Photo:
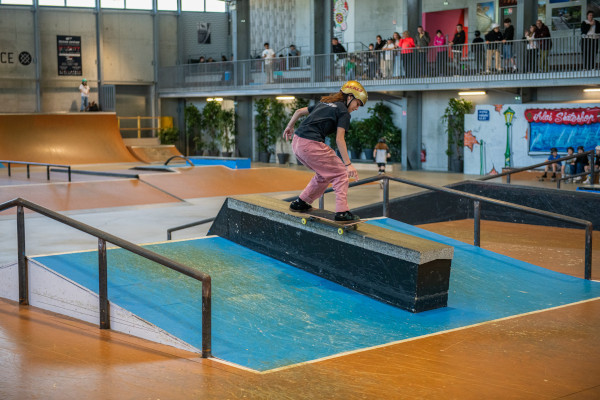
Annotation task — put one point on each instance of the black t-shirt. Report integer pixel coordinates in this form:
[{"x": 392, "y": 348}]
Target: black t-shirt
[
  {"x": 324, "y": 119},
  {"x": 509, "y": 33}
]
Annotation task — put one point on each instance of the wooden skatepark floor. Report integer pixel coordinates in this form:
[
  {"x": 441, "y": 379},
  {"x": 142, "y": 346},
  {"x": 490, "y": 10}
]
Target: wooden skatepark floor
[{"x": 542, "y": 355}]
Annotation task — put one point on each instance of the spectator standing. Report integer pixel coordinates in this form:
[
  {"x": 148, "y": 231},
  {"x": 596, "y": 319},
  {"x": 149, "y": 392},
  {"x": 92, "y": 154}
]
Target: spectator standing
[
  {"x": 507, "y": 48},
  {"x": 531, "y": 56},
  {"x": 590, "y": 34},
  {"x": 422, "y": 42},
  {"x": 397, "y": 56},
  {"x": 494, "y": 40},
  {"x": 388, "y": 58},
  {"x": 439, "y": 41},
  {"x": 544, "y": 44},
  {"x": 478, "y": 49},
  {"x": 84, "y": 90},
  {"x": 294, "y": 53},
  {"x": 268, "y": 55},
  {"x": 339, "y": 52},
  {"x": 350, "y": 68},
  {"x": 379, "y": 44},
  {"x": 407, "y": 44},
  {"x": 371, "y": 62},
  {"x": 457, "y": 43}
]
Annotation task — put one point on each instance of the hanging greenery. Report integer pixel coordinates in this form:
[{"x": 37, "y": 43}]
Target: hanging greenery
[{"x": 454, "y": 118}]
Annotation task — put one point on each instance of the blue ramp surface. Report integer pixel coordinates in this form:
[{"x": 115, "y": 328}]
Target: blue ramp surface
[{"x": 267, "y": 314}]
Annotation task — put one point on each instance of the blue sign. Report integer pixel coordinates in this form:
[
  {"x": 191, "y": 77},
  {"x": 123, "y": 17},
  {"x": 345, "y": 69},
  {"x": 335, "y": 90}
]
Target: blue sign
[
  {"x": 483, "y": 115},
  {"x": 545, "y": 136}
]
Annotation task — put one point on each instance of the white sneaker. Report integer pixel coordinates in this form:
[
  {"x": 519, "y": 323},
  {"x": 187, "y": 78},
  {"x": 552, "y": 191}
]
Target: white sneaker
[{"x": 587, "y": 181}]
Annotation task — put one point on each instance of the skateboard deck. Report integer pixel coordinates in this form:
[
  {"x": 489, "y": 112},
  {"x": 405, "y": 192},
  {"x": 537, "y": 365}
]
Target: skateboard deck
[{"x": 328, "y": 217}]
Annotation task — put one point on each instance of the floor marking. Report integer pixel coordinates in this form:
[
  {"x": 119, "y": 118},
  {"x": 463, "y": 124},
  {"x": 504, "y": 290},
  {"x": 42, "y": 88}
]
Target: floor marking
[
  {"x": 422, "y": 337},
  {"x": 161, "y": 190}
]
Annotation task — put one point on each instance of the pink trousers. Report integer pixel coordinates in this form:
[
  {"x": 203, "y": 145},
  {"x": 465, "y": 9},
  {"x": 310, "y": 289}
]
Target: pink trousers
[{"x": 328, "y": 168}]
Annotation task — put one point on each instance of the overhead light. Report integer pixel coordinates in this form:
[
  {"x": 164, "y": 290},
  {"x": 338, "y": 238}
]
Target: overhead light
[
  {"x": 472, "y": 93},
  {"x": 592, "y": 90},
  {"x": 445, "y": 3},
  {"x": 285, "y": 98},
  {"x": 214, "y": 99}
]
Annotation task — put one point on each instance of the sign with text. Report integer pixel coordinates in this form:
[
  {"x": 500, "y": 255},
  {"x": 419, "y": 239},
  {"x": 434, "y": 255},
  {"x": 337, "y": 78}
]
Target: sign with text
[
  {"x": 69, "y": 55},
  {"x": 564, "y": 116},
  {"x": 483, "y": 115}
]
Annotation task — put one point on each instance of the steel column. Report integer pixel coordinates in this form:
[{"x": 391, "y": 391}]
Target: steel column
[
  {"x": 206, "y": 318},
  {"x": 322, "y": 202},
  {"x": 386, "y": 197},
  {"x": 588, "y": 251},
  {"x": 103, "y": 285}
]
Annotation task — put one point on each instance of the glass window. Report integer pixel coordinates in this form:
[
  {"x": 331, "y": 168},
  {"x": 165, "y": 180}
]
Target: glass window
[
  {"x": 18, "y": 2},
  {"x": 167, "y": 5},
  {"x": 192, "y": 5},
  {"x": 138, "y": 4},
  {"x": 215, "y": 6},
  {"x": 81, "y": 3},
  {"x": 112, "y": 3},
  {"x": 60, "y": 3}
]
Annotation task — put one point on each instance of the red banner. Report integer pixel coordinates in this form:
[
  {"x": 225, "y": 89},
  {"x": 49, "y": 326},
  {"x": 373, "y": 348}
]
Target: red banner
[{"x": 565, "y": 116}]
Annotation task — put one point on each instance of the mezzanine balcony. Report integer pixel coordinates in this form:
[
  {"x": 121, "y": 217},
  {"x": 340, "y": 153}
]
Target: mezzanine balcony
[{"x": 565, "y": 61}]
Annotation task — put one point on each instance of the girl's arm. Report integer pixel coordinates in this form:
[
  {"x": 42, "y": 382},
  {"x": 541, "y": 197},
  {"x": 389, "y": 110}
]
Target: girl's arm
[
  {"x": 289, "y": 130},
  {"x": 341, "y": 145}
]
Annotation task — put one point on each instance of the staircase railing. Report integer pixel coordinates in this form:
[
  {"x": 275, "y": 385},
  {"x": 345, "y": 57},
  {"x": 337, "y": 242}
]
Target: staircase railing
[{"x": 104, "y": 237}]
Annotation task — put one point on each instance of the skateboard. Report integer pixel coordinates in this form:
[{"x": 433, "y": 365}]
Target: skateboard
[{"x": 327, "y": 217}]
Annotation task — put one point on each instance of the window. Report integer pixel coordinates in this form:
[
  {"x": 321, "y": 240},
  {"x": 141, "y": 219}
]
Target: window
[
  {"x": 167, "y": 5},
  {"x": 18, "y": 2},
  {"x": 112, "y": 3},
  {"x": 138, "y": 4},
  {"x": 215, "y": 6},
  {"x": 81, "y": 3},
  {"x": 59, "y": 3},
  {"x": 192, "y": 5}
]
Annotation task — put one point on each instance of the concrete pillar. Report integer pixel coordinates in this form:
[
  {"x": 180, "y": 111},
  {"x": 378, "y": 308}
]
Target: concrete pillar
[
  {"x": 321, "y": 26},
  {"x": 412, "y": 131},
  {"x": 413, "y": 14},
  {"x": 244, "y": 126}
]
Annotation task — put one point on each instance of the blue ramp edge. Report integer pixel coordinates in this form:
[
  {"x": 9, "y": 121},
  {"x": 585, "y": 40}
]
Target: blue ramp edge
[
  {"x": 267, "y": 314},
  {"x": 233, "y": 163}
]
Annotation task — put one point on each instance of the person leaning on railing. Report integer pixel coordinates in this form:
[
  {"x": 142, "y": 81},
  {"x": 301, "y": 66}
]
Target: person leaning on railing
[
  {"x": 590, "y": 33},
  {"x": 531, "y": 53},
  {"x": 439, "y": 41},
  {"x": 542, "y": 33},
  {"x": 494, "y": 42}
]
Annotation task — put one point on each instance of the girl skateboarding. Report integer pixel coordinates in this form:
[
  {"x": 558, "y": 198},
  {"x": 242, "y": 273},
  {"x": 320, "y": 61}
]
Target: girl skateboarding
[{"x": 330, "y": 115}]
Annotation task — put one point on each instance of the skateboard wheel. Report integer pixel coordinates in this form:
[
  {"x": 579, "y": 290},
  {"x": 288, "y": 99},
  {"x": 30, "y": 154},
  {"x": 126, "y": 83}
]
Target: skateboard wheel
[
  {"x": 304, "y": 221},
  {"x": 341, "y": 231}
]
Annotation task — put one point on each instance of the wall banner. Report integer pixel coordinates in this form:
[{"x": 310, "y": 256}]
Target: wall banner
[{"x": 69, "y": 55}]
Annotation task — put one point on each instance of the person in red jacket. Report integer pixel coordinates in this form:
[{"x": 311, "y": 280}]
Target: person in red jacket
[{"x": 407, "y": 45}]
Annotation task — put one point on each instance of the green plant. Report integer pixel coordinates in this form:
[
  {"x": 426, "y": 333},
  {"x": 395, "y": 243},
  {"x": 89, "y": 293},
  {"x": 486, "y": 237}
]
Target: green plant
[
  {"x": 354, "y": 137},
  {"x": 168, "y": 135},
  {"x": 454, "y": 118},
  {"x": 298, "y": 103},
  {"x": 278, "y": 118},
  {"x": 227, "y": 132},
  {"x": 261, "y": 125},
  {"x": 210, "y": 123},
  {"x": 193, "y": 123}
]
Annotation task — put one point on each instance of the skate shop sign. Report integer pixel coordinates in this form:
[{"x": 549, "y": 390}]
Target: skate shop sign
[
  {"x": 570, "y": 116},
  {"x": 69, "y": 55},
  {"x": 562, "y": 128}
]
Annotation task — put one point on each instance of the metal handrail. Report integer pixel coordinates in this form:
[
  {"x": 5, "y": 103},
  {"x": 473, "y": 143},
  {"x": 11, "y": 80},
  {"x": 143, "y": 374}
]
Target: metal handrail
[
  {"x": 477, "y": 210},
  {"x": 28, "y": 163},
  {"x": 177, "y": 156},
  {"x": 548, "y": 162},
  {"x": 190, "y": 225},
  {"x": 104, "y": 237}
]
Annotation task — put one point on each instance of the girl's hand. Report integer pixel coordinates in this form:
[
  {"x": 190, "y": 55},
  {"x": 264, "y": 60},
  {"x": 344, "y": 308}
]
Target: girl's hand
[
  {"x": 288, "y": 133},
  {"x": 352, "y": 172}
]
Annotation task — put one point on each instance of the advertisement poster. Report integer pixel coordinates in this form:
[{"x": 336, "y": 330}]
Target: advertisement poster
[
  {"x": 204, "y": 33},
  {"x": 485, "y": 16},
  {"x": 69, "y": 55}
]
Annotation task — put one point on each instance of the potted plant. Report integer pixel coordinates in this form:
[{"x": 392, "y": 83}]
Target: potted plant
[
  {"x": 381, "y": 124},
  {"x": 168, "y": 135},
  {"x": 210, "y": 122},
  {"x": 193, "y": 133},
  {"x": 354, "y": 139},
  {"x": 278, "y": 118},
  {"x": 454, "y": 118},
  {"x": 227, "y": 132}
]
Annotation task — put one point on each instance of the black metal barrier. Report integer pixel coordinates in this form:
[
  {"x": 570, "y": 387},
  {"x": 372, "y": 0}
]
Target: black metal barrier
[
  {"x": 28, "y": 163},
  {"x": 183, "y": 157},
  {"x": 590, "y": 153},
  {"x": 104, "y": 237},
  {"x": 477, "y": 210}
]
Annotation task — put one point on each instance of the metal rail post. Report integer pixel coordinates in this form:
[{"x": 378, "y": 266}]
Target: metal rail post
[
  {"x": 22, "y": 259},
  {"x": 477, "y": 223},
  {"x": 28, "y": 175},
  {"x": 47, "y": 172},
  {"x": 206, "y": 318},
  {"x": 322, "y": 202},
  {"x": 103, "y": 285},
  {"x": 588, "y": 251},
  {"x": 8, "y": 169},
  {"x": 386, "y": 197}
]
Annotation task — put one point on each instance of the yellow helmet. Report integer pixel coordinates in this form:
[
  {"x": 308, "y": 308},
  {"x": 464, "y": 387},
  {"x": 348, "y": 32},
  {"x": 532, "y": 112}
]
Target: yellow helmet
[{"x": 357, "y": 90}]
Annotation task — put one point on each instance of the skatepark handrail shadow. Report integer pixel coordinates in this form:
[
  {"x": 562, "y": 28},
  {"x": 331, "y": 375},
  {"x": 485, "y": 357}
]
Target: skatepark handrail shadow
[
  {"x": 28, "y": 163},
  {"x": 104, "y": 237},
  {"x": 511, "y": 171},
  {"x": 477, "y": 210}
]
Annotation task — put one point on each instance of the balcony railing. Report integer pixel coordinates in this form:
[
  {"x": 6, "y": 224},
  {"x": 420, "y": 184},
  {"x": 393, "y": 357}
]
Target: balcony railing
[{"x": 541, "y": 62}]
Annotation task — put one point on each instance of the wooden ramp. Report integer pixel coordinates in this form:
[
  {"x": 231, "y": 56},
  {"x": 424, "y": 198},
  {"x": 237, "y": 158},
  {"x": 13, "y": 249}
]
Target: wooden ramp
[{"x": 78, "y": 138}]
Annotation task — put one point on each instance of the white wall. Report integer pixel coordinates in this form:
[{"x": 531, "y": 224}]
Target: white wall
[{"x": 377, "y": 18}]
